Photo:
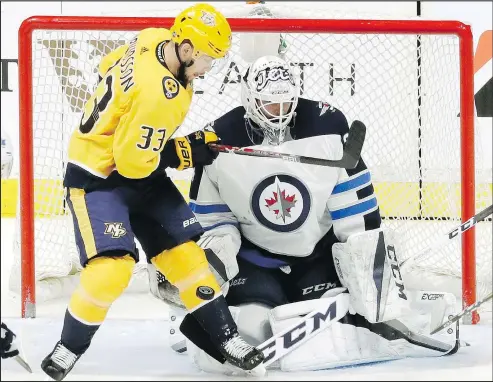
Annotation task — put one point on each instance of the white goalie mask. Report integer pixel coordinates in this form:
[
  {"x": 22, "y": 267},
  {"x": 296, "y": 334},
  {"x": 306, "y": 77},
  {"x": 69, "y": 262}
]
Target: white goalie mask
[{"x": 269, "y": 92}]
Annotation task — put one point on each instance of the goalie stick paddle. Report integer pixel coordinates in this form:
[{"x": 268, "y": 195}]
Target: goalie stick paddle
[
  {"x": 283, "y": 342},
  {"x": 350, "y": 157},
  {"x": 480, "y": 216},
  {"x": 457, "y": 317},
  {"x": 290, "y": 338}
]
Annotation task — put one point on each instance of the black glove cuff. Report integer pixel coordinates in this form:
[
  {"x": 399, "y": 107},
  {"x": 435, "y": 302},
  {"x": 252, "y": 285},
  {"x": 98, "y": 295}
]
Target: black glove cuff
[{"x": 169, "y": 157}]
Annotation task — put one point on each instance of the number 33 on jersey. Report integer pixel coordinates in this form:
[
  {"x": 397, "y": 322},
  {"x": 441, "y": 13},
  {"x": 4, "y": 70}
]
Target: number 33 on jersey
[{"x": 136, "y": 107}]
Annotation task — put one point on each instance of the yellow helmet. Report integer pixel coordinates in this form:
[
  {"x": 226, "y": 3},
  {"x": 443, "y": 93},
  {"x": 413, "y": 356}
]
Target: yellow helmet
[{"x": 205, "y": 27}]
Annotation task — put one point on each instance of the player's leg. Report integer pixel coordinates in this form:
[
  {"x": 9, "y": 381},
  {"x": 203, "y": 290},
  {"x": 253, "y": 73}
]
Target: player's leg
[
  {"x": 253, "y": 292},
  {"x": 184, "y": 264},
  {"x": 107, "y": 252}
]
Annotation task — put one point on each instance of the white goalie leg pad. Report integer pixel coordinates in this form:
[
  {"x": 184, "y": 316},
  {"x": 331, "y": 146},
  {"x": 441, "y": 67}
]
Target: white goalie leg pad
[
  {"x": 367, "y": 265},
  {"x": 162, "y": 288},
  {"x": 337, "y": 345},
  {"x": 431, "y": 309},
  {"x": 347, "y": 344},
  {"x": 177, "y": 340}
]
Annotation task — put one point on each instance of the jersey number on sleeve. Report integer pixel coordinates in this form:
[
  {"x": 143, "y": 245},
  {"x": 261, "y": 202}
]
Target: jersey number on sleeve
[
  {"x": 98, "y": 107},
  {"x": 148, "y": 133}
]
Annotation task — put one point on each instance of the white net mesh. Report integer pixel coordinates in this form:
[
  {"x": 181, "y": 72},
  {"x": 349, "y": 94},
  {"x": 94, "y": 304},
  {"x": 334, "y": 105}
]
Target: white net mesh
[{"x": 405, "y": 88}]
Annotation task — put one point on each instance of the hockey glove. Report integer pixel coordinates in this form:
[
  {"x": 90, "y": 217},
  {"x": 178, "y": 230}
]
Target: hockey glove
[
  {"x": 8, "y": 343},
  {"x": 190, "y": 151}
]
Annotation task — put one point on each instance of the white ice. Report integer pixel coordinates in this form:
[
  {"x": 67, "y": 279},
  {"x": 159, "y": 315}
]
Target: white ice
[{"x": 132, "y": 344}]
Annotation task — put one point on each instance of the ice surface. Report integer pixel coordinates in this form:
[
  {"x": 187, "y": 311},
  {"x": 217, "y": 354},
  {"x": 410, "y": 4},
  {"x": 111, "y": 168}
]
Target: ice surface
[{"x": 132, "y": 344}]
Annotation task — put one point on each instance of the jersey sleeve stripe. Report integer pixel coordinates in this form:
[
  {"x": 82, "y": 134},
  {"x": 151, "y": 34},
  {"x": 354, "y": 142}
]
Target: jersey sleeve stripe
[
  {"x": 356, "y": 209},
  {"x": 361, "y": 180},
  {"x": 209, "y": 209}
]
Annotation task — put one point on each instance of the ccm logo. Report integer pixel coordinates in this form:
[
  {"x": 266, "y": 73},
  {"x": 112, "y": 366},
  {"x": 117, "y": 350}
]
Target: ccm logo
[
  {"x": 296, "y": 334},
  {"x": 318, "y": 288},
  {"x": 190, "y": 221},
  {"x": 396, "y": 273},
  {"x": 464, "y": 227},
  {"x": 431, "y": 296}
]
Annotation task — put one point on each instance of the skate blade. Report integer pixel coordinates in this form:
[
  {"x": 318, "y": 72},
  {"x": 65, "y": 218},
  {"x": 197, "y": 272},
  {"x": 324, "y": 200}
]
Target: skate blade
[{"x": 23, "y": 363}]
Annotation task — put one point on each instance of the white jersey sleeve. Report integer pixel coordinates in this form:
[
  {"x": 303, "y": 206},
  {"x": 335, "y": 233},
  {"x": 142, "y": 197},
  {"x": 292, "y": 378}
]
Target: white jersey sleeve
[
  {"x": 221, "y": 227},
  {"x": 353, "y": 204}
]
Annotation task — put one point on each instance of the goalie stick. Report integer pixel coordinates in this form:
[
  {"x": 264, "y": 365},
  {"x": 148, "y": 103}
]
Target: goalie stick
[
  {"x": 350, "y": 157},
  {"x": 480, "y": 216},
  {"x": 467, "y": 310},
  {"x": 286, "y": 341},
  {"x": 283, "y": 342}
]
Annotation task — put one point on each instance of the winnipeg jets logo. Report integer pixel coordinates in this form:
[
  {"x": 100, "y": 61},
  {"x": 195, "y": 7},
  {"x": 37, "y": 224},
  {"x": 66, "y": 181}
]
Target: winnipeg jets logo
[
  {"x": 273, "y": 74},
  {"x": 281, "y": 203}
]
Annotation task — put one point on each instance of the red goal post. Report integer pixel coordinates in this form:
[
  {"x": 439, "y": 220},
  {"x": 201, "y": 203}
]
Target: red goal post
[{"x": 334, "y": 26}]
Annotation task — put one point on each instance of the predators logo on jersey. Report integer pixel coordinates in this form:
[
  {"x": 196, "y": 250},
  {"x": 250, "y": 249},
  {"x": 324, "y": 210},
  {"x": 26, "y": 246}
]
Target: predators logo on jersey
[
  {"x": 116, "y": 230},
  {"x": 171, "y": 87}
]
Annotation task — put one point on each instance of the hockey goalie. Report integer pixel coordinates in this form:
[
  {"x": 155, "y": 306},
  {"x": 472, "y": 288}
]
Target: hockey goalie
[{"x": 284, "y": 238}]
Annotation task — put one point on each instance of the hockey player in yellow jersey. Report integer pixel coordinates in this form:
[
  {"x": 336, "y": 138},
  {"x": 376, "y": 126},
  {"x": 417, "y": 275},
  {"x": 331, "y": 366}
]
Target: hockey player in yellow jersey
[{"x": 117, "y": 189}]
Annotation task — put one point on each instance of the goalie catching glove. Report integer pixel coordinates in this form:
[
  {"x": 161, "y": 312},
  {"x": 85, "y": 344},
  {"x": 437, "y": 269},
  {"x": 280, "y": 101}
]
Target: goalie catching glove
[{"x": 187, "y": 152}]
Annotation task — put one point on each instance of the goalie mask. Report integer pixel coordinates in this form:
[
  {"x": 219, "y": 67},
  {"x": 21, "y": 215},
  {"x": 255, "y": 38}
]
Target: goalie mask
[{"x": 269, "y": 95}]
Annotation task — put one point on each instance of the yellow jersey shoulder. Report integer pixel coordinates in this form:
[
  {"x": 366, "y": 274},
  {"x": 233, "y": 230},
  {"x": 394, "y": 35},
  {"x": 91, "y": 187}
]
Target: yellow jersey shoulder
[{"x": 153, "y": 77}]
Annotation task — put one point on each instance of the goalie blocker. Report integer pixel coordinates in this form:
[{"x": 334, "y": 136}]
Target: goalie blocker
[{"x": 385, "y": 320}]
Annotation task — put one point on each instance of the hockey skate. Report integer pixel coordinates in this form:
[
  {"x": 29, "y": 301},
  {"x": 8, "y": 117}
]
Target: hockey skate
[
  {"x": 59, "y": 362},
  {"x": 244, "y": 356}
]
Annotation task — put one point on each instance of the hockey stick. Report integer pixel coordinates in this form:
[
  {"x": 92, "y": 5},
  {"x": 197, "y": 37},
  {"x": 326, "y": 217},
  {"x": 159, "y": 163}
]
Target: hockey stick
[
  {"x": 457, "y": 317},
  {"x": 450, "y": 235},
  {"x": 350, "y": 157},
  {"x": 23, "y": 363},
  {"x": 290, "y": 338},
  {"x": 282, "y": 343},
  {"x": 20, "y": 358}
]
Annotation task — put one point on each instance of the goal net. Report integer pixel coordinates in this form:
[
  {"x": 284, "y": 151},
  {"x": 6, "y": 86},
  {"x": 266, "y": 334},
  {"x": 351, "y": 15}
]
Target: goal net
[{"x": 407, "y": 80}]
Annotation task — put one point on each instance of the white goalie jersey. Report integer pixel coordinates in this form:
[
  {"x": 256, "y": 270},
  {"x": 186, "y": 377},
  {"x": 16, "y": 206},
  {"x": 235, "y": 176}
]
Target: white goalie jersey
[{"x": 285, "y": 208}]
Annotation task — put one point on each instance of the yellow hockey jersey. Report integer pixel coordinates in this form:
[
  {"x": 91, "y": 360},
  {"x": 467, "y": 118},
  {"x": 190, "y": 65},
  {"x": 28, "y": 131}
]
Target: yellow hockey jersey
[{"x": 137, "y": 105}]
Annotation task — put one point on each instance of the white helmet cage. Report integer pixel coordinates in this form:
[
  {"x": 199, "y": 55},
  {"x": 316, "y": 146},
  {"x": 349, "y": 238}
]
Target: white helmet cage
[{"x": 269, "y": 92}]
